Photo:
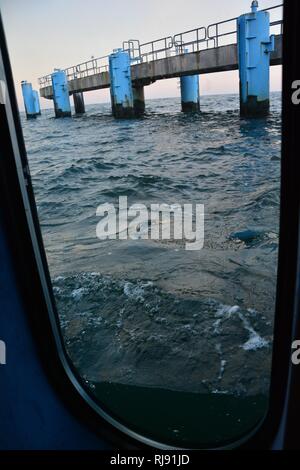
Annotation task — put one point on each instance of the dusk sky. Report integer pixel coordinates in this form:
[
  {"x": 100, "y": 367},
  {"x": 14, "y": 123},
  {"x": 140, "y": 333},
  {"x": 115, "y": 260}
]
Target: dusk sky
[{"x": 48, "y": 34}]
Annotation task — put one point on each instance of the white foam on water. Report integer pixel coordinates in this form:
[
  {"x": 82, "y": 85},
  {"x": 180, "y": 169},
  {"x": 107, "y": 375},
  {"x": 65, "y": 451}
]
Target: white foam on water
[
  {"x": 220, "y": 392},
  {"x": 216, "y": 326},
  {"x": 136, "y": 292},
  {"x": 57, "y": 290},
  {"x": 227, "y": 310},
  {"x": 77, "y": 294},
  {"x": 255, "y": 341},
  {"x": 222, "y": 368}
]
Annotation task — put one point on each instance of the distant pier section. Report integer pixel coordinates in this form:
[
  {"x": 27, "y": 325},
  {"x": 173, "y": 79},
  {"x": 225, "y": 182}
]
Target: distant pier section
[{"x": 250, "y": 43}]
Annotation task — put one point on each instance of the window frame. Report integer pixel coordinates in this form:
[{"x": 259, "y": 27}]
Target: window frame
[{"x": 34, "y": 280}]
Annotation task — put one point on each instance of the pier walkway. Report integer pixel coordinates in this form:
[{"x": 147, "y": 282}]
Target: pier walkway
[{"x": 199, "y": 51}]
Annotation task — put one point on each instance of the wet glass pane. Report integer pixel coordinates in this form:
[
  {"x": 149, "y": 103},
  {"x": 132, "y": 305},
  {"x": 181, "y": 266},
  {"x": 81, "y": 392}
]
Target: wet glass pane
[{"x": 172, "y": 337}]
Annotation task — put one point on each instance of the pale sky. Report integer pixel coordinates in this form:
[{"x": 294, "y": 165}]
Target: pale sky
[{"x": 47, "y": 34}]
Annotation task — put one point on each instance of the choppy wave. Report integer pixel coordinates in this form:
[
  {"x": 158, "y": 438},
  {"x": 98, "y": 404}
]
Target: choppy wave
[
  {"x": 132, "y": 332},
  {"x": 150, "y": 314}
]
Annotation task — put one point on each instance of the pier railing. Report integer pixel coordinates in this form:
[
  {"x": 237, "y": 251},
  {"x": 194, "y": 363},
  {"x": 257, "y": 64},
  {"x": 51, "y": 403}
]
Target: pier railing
[{"x": 194, "y": 40}]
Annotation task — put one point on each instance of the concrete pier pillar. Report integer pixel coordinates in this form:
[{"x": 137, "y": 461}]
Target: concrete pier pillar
[
  {"x": 31, "y": 103},
  {"x": 138, "y": 100},
  {"x": 79, "y": 103},
  {"x": 61, "y": 97},
  {"x": 120, "y": 85},
  {"x": 190, "y": 99},
  {"x": 37, "y": 102},
  {"x": 254, "y": 48}
]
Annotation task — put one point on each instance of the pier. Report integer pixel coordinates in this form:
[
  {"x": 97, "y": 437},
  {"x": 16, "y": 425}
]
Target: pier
[{"x": 250, "y": 43}]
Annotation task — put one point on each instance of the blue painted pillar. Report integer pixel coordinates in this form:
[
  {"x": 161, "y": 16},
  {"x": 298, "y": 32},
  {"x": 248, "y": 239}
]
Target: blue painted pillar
[
  {"x": 79, "y": 103},
  {"x": 61, "y": 97},
  {"x": 37, "y": 102},
  {"x": 190, "y": 97},
  {"x": 254, "y": 48},
  {"x": 120, "y": 85},
  {"x": 29, "y": 97}
]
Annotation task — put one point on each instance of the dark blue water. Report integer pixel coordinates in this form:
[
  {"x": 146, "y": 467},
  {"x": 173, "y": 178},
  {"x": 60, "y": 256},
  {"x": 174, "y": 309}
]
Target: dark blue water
[{"x": 150, "y": 313}]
